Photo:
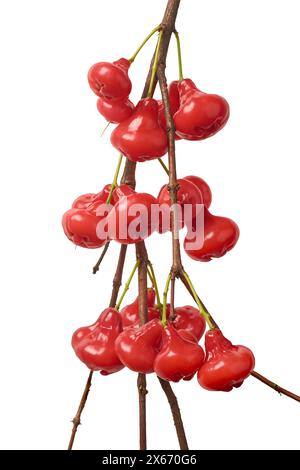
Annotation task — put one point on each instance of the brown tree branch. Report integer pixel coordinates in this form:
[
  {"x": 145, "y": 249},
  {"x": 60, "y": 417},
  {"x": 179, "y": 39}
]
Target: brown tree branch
[
  {"x": 274, "y": 386},
  {"x": 141, "y": 254},
  {"x": 117, "y": 281},
  {"x": 177, "y": 269},
  {"x": 103, "y": 253},
  {"x": 168, "y": 25},
  {"x": 175, "y": 410},
  {"x": 115, "y": 290},
  {"x": 76, "y": 420}
]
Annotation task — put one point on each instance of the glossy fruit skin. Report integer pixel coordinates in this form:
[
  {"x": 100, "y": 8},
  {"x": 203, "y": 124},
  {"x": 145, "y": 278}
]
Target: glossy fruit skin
[
  {"x": 226, "y": 366},
  {"x": 121, "y": 191},
  {"x": 94, "y": 344},
  {"x": 174, "y": 105},
  {"x": 91, "y": 201},
  {"x": 140, "y": 137},
  {"x": 220, "y": 236},
  {"x": 189, "y": 319},
  {"x": 137, "y": 348},
  {"x": 203, "y": 188},
  {"x": 200, "y": 115},
  {"x": 130, "y": 313},
  {"x": 178, "y": 357},
  {"x": 115, "y": 110},
  {"x": 81, "y": 221},
  {"x": 80, "y": 226},
  {"x": 110, "y": 80},
  {"x": 188, "y": 193},
  {"x": 122, "y": 220}
]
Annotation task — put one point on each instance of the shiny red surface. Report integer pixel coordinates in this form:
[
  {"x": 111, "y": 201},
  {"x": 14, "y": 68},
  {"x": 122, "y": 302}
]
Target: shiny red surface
[
  {"x": 140, "y": 137},
  {"x": 226, "y": 366},
  {"x": 110, "y": 80},
  {"x": 179, "y": 357},
  {"x": 200, "y": 115},
  {"x": 94, "y": 344}
]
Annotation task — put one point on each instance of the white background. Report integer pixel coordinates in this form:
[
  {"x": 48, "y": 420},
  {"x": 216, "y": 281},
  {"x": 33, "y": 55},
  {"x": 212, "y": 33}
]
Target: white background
[{"x": 51, "y": 151}]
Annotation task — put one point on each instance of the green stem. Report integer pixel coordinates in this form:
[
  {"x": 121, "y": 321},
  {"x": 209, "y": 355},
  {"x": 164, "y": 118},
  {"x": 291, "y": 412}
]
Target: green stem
[
  {"x": 155, "y": 285},
  {"x": 127, "y": 285},
  {"x": 150, "y": 276},
  {"x": 132, "y": 59},
  {"x": 165, "y": 296},
  {"x": 164, "y": 166},
  {"x": 201, "y": 307},
  {"x": 155, "y": 65},
  {"x": 115, "y": 180},
  {"x": 179, "y": 55}
]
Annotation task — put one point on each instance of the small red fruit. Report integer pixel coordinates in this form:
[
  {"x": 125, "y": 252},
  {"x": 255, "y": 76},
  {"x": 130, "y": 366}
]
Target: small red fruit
[
  {"x": 91, "y": 200},
  {"x": 110, "y": 80},
  {"x": 188, "y": 196},
  {"x": 226, "y": 366},
  {"x": 115, "y": 110},
  {"x": 94, "y": 344},
  {"x": 130, "y": 313},
  {"x": 200, "y": 115},
  {"x": 130, "y": 219},
  {"x": 189, "y": 319},
  {"x": 220, "y": 236},
  {"x": 203, "y": 188},
  {"x": 80, "y": 223},
  {"x": 140, "y": 137},
  {"x": 178, "y": 358},
  {"x": 137, "y": 348}
]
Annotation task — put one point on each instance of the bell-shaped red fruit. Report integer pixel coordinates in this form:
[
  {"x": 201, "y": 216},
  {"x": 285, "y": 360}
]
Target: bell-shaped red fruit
[
  {"x": 137, "y": 348},
  {"x": 110, "y": 80},
  {"x": 91, "y": 201},
  {"x": 220, "y": 235},
  {"x": 200, "y": 115},
  {"x": 130, "y": 220},
  {"x": 115, "y": 110},
  {"x": 226, "y": 366},
  {"x": 179, "y": 357},
  {"x": 189, "y": 319},
  {"x": 81, "y": 222},
  {"x": 95, "y": 344},
  {"x": 189, "y": 199},
  {"x": 203, "y": 188},
  {"x": 140, "y": 137},
  {"x": 130, "y": 313}
]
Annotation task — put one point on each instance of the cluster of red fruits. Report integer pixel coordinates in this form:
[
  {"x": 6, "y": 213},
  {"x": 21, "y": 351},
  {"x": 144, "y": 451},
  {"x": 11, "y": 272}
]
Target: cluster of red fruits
[
  {"x": 116, "y": 340},
  {"x": 164, "y": 345},
  {"x": 86, "y": 227},
  {"x": 140, "y": 136},
  {"x": 141, "y": 133}
]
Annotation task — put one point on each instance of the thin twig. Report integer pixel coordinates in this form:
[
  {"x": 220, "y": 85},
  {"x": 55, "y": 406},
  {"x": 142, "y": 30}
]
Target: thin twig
[
  {"x": 275, "y": 387},
  {"x": 173, "y": 402},
  {"x": 254, "y": 374},
  {"x": 103, "y": 253},
  {"x": 76, "y": 420},
  {"x": 142, "y": 258},
  {"x": 117, "y": 282}
]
